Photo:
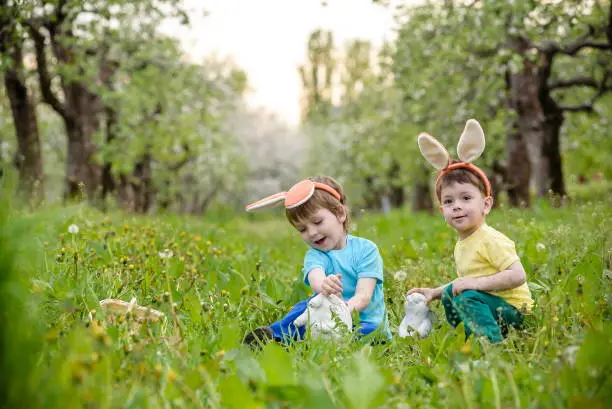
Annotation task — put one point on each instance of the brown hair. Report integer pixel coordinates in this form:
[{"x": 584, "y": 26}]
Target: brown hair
[
  {"x": 321, "y": 200},
  {"x": 460, "y": 175}
]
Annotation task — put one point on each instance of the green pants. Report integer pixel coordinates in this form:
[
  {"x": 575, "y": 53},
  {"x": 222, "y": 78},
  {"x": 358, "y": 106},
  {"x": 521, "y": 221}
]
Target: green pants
[{"x": 482, "y": 313}]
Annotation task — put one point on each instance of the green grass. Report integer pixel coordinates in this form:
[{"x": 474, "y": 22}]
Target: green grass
[{"x": 226, "y": 278}]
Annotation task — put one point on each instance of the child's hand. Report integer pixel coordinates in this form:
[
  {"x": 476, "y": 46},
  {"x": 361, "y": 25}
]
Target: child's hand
[
  {"x": 429, "y": 293},
  {"x": 464, "y": 283},
  {"x": 332, "y": 285}
]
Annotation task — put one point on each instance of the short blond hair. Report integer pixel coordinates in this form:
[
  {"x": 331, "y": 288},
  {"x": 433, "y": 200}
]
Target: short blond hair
[{"x": 321, "y": 200}]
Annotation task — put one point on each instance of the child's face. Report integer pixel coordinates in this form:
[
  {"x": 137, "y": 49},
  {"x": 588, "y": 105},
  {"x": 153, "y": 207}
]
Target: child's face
[
  {"x": 464, "y": 207},
  {"x": 323, "y": 230}
]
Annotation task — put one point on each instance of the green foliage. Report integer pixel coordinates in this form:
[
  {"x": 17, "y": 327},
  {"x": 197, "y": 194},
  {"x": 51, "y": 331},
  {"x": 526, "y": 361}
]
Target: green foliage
[
  {"x": 449, "y": 63},
  {"x": 215, "y": 280},
  {"x": 146, "y": 99},
  {"x": 452, "y": 58}
]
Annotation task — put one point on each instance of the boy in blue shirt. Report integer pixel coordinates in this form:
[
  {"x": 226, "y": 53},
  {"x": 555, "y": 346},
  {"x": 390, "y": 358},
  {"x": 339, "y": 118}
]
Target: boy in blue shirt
[{"x": 336, "y": 263}]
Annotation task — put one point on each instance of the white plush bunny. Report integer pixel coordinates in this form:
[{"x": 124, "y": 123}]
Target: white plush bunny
[
  {"x": 326, "y": 314},
  {"x": 418, "y": 319},
  {"x": 140, "y": 313}
]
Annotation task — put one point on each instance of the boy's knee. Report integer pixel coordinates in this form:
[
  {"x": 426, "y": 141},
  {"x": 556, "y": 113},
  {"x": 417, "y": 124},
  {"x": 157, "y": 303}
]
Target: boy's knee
[
  {"x": 468, "y": 295},
  {"x": 447, "y": 293}
]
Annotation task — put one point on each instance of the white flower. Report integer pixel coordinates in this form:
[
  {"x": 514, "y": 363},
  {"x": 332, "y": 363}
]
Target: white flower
[
  {"x": 540, "y": 247},
  {"x": 400, "y": 275},
  {"x": 167, "y": 253},
  {"x": 569, "y": 354},
  {"x": 73, "y": 229}
]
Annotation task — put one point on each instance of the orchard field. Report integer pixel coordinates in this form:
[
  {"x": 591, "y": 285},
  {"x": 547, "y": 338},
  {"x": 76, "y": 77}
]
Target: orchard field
[{"x": 217, "y": 277}]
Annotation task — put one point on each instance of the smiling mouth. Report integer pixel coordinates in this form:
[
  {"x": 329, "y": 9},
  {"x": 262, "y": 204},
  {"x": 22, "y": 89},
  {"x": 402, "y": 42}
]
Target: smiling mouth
[
  {"x": 459, "y": 218},
  {"x": 320, "y": 241}
]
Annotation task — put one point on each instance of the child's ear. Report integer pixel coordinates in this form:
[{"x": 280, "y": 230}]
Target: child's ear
[
  {"x": 488, "y": 204},
  {"x": 342, "y": 215}
]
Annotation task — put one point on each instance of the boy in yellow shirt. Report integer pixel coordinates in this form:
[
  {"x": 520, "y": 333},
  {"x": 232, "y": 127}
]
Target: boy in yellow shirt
[{"x": 491, "y": 293}]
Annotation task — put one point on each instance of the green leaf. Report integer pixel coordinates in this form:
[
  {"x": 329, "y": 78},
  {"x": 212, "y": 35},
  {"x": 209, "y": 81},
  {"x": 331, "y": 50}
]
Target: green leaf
[
  {"x": 191, "y": 302},
  {"x": 236, "y": 395},
  {"x": 277, "y": 365},
  {"x": 363, "y": 383},
  {"x": 230, "y": 335}
]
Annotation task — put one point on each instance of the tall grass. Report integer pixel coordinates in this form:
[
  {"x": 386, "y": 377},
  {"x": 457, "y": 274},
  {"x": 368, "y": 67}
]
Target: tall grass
[{"x": 226, "y": 277}]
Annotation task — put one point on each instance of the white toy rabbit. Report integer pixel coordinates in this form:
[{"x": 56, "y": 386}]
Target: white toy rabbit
[
  {"x": 418, "y": 319},
  {"x": 324, "y": 313}
]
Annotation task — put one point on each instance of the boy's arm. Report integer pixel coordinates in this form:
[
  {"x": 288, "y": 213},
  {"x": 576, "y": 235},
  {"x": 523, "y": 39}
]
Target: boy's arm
[
  {"x": 363, "y": 294},
  {"x": 429, "y": 293},
  {"x": 509, "y": 278},
  {"x": 322, "y": 284}
]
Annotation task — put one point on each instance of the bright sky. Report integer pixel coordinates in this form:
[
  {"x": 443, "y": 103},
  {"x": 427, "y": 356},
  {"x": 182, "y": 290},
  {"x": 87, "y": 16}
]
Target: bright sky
[{"x": 267, "y": 38}]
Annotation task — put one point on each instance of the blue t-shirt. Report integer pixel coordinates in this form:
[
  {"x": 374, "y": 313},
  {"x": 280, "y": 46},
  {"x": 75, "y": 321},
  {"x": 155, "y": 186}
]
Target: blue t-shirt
[{"x": 358, "y": 259}]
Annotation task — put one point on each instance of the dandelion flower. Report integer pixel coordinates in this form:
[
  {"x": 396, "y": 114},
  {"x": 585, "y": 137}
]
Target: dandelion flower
[
  {"x": 540, "y": 247},
  {"x": 400, "y": 275},
  {"x": 73, "y": 229},
  {"x": 569, "y": 354},
  {"x": 167, "y": 253}
]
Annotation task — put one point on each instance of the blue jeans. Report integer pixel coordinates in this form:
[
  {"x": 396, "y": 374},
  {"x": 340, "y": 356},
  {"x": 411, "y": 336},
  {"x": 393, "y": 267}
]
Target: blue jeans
[{"x": 285, "y": 331}]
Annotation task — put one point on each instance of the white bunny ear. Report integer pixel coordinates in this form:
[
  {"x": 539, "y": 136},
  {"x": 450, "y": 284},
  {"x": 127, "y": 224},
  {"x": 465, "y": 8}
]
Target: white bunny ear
[
  {"x": 433, "y": 151},
  {"x": 267, "y": 202},
  {"x": 472, "y": 142}
]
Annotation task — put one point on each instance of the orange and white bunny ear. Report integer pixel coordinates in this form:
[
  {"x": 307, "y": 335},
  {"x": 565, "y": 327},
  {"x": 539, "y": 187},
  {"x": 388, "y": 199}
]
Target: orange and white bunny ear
[
  {"x": 472, "y": 142},
  {"x": 267, "y": 201},
  {"x": 433, "y": 151}
]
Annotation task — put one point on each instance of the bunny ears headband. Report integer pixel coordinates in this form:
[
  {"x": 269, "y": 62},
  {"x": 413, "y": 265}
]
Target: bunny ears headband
[
  {"x": 470, "y": 147},
  {"x": 297, "y": 195}
]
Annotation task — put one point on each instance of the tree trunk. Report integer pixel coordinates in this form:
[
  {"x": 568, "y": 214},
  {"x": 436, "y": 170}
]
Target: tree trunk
[
  {"x": 82, "y": 174},
  {"x": 421, "y": 194},
  {"x": 497, "y": 178},
  {"x": 396, "y": 194},
  {"x": 551, "y": 148},
  {"x": 79, "y": 109},
  {"x": 142, "y": 184},
  {"x": 125, "y": 193},
  {"x": 370, "y": 196},
  {"x": 28, "y": 157},
  {"x": 524, "y": 91},
  {"x": 518, "y": 171},
  {"x": 108, "y": 182}
]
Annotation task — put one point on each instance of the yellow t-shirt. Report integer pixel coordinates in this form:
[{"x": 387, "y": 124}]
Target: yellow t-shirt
[{"x": 486, "y": 252}]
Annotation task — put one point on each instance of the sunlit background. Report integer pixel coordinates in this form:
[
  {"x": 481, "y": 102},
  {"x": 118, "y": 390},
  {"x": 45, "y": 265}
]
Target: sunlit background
[{"x": 268, "y": 40}]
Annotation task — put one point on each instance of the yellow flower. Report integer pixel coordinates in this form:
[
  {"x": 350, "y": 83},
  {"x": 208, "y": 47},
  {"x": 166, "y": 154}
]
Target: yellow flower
[
  {"x": 466, "y": 348},
  {"x": 171, "y": 375}
]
